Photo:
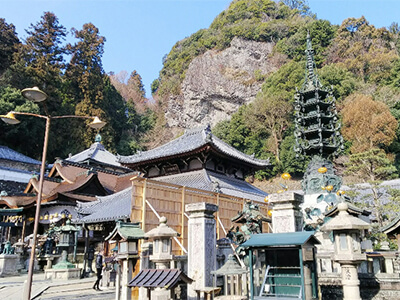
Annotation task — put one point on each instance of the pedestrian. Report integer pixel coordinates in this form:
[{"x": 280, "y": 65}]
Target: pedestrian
[{"x": 99, "y": 268}]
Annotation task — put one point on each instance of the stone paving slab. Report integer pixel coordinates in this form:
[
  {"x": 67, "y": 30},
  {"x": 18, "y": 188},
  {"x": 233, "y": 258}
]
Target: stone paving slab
[{"x": 11, "y": 288}]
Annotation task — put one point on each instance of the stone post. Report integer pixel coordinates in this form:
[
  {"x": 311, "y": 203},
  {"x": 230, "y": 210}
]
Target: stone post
[
  {"x": 118, "y": 283},
  {"x": 126, "y": 275},
  {"x": 350, "y": 282},
  {"x": 144, "y": 264},
  {"x": 201, "y": 246},
  {"x": 286, "y": 213}
]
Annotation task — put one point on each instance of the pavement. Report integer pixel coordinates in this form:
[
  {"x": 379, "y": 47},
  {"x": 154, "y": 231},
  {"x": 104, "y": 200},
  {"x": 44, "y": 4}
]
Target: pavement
[{"x": 11, "y": 287}]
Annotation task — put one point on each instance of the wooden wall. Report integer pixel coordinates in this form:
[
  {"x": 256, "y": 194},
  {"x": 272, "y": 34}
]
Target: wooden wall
[{"x": 151, "y": 199}]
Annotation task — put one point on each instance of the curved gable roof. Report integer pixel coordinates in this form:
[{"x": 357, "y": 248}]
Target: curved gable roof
[
  {"x": 190, "y": 141},
  {"x": 96, "y": 152}
]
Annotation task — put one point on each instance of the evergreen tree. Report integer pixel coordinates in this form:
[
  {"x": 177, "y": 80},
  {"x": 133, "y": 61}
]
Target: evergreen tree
[
  {"x": 8, "y": 44},
  {"x": 43, "y": 55},
  {"x": 85, "y": 80}
]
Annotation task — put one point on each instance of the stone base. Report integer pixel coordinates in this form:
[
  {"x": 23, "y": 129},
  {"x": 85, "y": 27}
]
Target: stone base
[
  {"x": 9, "y": 264},
  {"x": 71, "y": 273}
]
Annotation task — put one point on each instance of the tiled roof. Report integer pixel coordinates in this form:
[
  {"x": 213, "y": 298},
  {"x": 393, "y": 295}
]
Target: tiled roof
[
  {"x": 208, "y": 180},
  {"x": 107, "y": 208},
  {"x": 191, "y": 140},
  {"x": 118, "y": 205},
  {"x": 163, "y": 278},
  {"x": 96, "y": 152},
  {"x": 9, "y": 154}
]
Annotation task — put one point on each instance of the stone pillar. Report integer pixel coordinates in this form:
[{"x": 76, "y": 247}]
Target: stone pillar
[
  {"x": 201, "y": 246},
  {"x": 350, "y": 282},
  {"x": 307, "y": 281},
  {"x": 144, "y": 264},
  {"x": 286, "y": 213},
  {"x": 118, "y": 283},
  {"x": 127, "y": 267}
]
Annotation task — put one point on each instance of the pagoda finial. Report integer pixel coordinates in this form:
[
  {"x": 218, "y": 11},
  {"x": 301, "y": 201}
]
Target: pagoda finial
[
  {"x": 311, "y": 81},
  {"x": 97, "y": 139}
]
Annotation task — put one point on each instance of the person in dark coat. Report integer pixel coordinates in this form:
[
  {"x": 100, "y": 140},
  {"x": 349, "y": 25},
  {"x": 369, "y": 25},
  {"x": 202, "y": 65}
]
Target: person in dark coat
[{"x": 99, "y": 268}]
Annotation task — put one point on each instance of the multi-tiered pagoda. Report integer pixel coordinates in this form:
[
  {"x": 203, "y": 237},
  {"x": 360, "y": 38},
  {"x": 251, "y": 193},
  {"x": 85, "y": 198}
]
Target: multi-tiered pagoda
[{"x": 317, "y": 129}]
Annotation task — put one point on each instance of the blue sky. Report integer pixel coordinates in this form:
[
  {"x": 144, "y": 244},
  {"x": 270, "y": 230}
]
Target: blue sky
[{"x": 140, "y": 32}]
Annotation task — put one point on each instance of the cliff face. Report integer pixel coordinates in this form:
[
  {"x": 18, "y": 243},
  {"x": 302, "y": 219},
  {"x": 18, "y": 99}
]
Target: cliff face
[{"x": 217, "y": 83}]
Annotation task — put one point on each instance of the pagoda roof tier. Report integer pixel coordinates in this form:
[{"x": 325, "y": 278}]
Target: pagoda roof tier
[
  {"x": 192, "y": 142},
  {"x": 316, "y": 115},
  {"x": 315, "y": 102},
  {"x": 315, "y": 149},
  {"x": 323, "y": 129}
]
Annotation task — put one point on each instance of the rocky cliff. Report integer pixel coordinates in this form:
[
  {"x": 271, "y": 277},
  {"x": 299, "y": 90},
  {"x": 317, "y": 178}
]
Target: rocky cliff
[{"x": 217, "y": 83}]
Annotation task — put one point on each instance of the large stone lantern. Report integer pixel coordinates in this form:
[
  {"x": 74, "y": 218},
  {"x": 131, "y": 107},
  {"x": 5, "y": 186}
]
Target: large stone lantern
[
  {"x": 162, "y": 247},
  {"x": 347, "y": 243}
]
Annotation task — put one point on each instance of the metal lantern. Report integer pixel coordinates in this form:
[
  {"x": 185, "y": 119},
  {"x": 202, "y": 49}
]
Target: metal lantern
[{"x": 67, "y": 234}]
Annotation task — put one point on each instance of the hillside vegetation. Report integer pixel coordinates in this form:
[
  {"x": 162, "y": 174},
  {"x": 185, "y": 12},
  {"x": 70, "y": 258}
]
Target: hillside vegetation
[
  {"x": 75, "y": 86},
  {"x": 359, "y": 61}
]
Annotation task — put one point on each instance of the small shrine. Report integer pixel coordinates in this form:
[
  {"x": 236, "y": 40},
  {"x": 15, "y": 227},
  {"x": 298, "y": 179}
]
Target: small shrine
[{"x": 287, "y": 262}]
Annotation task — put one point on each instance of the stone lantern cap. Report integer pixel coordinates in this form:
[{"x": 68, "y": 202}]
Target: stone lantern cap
[
  {"x": 162, "y": 230},
  {"x": 344, "y": 221},
  {"x": 231, "y": 267}
]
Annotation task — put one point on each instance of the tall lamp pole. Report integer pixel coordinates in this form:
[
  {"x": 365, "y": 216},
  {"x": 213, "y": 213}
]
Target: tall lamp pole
[{"x": 36, "y": 95}]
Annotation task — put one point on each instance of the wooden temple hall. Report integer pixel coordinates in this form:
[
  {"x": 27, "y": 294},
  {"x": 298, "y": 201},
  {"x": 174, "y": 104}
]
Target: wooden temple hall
[{"x": 95, "y": 190}]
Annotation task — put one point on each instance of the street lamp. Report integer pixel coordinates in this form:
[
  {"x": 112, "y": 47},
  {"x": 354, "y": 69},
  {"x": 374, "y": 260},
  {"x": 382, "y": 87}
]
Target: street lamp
[{"x": 36, "y": 95}]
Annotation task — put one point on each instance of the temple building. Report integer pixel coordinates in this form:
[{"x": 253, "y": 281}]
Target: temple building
[
  {"x": 90, "y": 173},
  {"x": 198, "y": 159},
  {"x": 195, "y": 167}
]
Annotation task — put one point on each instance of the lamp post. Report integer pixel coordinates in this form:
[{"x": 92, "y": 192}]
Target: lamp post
[{"x": 36, "y": 95}]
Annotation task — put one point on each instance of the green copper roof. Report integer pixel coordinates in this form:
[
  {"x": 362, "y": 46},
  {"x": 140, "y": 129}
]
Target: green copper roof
[
  {"x": 316, "y": 123},
  {"x": 280, "y": 239},
  {"x": 126, "y": 231}
]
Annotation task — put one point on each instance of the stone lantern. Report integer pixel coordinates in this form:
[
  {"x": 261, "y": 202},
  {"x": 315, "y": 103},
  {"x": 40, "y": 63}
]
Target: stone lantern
[
  {"x": 127, "y": 235},
  {"x": 162, "y": 244},
  {"x": 347, "y": 243}
]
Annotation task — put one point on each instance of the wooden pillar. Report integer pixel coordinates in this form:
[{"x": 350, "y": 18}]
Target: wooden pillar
[
  {"x": 218, "y": 226},
  {"x": 23, "y": 230},
  {"x": 183, "y": 219},
  {"x": 144, "y": 205}
]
